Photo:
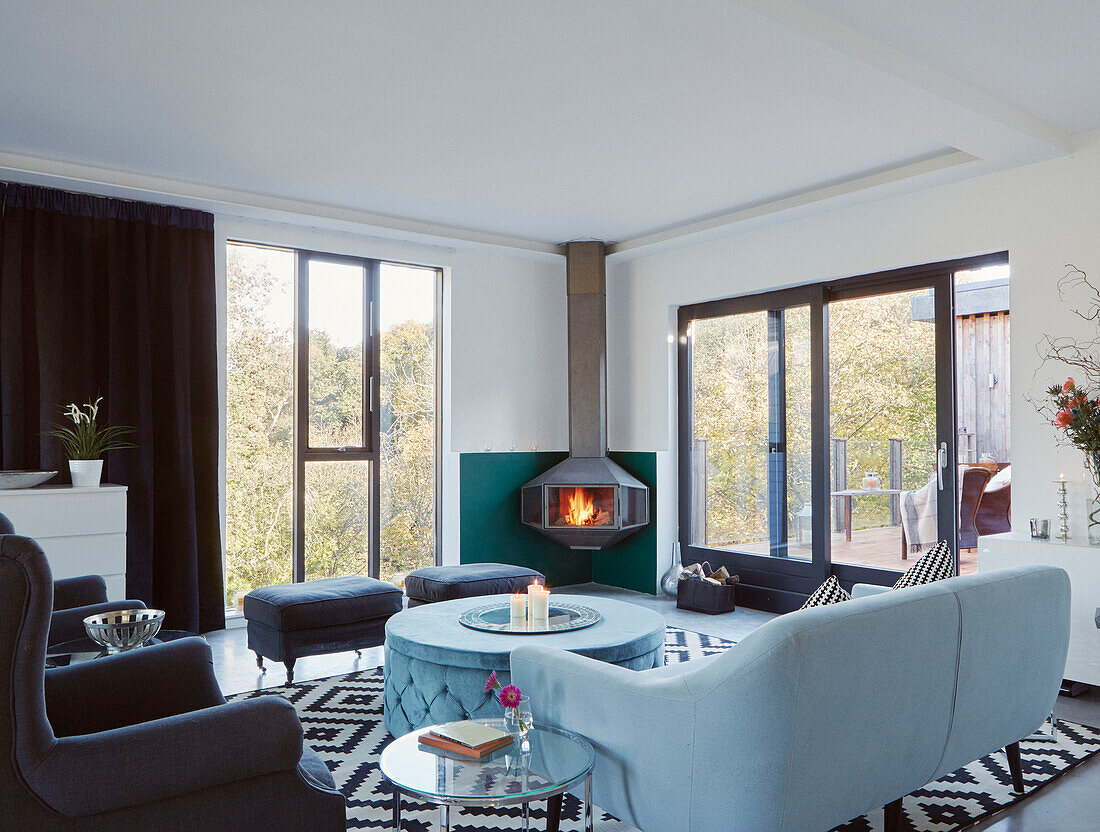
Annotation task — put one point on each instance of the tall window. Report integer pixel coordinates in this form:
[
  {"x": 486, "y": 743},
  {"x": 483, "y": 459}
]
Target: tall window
[
  {"x": 332, "y": 417},
  {"x": 409, "y": 422}
]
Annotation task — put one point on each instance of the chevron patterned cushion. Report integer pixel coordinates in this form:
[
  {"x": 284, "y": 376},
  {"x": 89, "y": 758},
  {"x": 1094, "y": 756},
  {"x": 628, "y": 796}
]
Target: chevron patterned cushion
[
  {"x": 830, "y": 592},
  {"x": 938, "y": 563}
]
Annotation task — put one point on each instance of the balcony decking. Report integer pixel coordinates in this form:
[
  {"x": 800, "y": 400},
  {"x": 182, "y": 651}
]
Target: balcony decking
[{"x": 878, "y": 548}]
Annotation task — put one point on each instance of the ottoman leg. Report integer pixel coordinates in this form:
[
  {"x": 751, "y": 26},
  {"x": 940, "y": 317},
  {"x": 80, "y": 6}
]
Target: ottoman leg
[
  {"x": 260, "y": 662},
  {"x": 289, "y": 670}
]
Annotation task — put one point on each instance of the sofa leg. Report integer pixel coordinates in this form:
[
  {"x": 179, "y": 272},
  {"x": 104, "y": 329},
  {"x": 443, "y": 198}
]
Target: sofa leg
[
  {"x": 553, "y": 813},
  {"x": 892, "y": 815},
  {"x": 289, "y": 670},
  {"x": 260, "y": 663},
  {"x": 1013, "y": 753}
]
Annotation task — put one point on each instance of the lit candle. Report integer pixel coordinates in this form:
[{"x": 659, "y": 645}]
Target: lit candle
[
  {"x": 1061, "y": 478},
  {"x": 538, "y": 600},
  {"x": 519, "y": 607}
]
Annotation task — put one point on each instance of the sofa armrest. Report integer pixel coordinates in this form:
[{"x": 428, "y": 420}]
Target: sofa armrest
[
  {"x": 598, "y": 699},
  {"x": 863, "y": 590},
  {"x": 139, "y": 764},
  {"x": 628, "y": 716},
  {"x": 68, "y": 624},
  {"x": 79, "y": 592},
  {"x": 155, "y": 682}
]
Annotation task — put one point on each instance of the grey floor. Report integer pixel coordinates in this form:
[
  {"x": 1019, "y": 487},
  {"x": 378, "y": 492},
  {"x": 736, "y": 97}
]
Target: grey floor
[{"x": 1070, "y": 803}]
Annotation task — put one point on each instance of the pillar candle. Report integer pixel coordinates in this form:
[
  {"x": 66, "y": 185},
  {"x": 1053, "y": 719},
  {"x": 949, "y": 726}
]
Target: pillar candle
[
  {"x": 519, "y": 606},
  {"x": 538, "y": 597}
]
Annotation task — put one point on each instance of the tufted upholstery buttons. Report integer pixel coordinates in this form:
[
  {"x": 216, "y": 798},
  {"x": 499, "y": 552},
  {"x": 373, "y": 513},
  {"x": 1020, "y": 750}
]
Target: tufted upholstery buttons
[{"x": 419, "y": 693}]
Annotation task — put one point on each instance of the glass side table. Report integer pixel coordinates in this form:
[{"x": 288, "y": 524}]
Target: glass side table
[
  {"x": 556, "y": 761},
  {"x": 85, "y": 650}
]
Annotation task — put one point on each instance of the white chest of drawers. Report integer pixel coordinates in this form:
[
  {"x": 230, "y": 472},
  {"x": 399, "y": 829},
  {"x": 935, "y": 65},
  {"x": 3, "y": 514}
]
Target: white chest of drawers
[
  {"x": 81, "y": 530},
  {"x": 999, "y": 551}
]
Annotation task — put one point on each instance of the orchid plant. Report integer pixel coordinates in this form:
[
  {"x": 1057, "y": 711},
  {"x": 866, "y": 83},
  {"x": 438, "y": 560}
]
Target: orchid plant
[
  {"x": 509, "y": 697},
  {"x": 86, "y": 439}
]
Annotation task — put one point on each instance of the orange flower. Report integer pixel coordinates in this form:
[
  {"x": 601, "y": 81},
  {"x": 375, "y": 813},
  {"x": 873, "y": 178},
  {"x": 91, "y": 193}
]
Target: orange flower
[
  {"x": 1063, "y": 418},
  {"x": 1069, "y": 385}
]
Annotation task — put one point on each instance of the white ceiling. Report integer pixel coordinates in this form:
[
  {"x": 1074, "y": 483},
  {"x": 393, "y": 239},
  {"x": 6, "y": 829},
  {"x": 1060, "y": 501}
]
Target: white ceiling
[
  {"x": 545, "y": 121},
  {"x": 1042, "y": 55}
]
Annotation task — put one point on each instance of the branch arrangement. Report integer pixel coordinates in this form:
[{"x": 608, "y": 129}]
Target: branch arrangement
[{"x": 1071, "y": 407}]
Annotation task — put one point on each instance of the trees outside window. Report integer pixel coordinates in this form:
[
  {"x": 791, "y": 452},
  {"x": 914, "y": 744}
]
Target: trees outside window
[{"x": 336, "y": 506}]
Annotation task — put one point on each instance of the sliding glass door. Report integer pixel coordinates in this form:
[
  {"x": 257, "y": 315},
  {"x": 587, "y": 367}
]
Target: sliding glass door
[
  {"x": 751, "y": 378},
  {"x": 892, "y": 481},
  {"x": 751, "y": 438},
  {"x": 332, "y": 417},
  {"x": 817, "y": 431}
]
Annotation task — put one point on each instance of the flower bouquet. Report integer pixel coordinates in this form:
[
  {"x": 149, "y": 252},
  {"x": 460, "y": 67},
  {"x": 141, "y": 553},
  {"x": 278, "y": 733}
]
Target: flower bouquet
[
  {"x": 517, "y": 707},
  {"x": 1076, "y": 413}
]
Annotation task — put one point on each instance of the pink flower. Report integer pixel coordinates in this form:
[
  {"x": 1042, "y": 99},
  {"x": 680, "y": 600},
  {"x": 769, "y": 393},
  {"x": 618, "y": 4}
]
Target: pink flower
[
  {"x": 1063, "y": 418},
  {"x": 510, "y": 696},
  {"x": 492, "y": 683},
  {"x": 1069, "y": 385}
]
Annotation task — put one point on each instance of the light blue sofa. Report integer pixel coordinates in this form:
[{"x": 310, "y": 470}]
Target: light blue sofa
[{"x": 821, "y": 715}]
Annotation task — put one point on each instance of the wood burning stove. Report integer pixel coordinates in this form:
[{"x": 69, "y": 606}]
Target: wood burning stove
[{"x": 586, "y": 501}]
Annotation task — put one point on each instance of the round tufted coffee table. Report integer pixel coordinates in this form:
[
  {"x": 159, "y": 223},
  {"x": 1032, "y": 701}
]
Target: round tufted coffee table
[{"x": 436, "y": 668}]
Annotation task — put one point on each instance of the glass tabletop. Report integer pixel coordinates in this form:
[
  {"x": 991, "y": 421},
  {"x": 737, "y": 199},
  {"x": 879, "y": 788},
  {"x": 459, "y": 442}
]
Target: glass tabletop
[
  {"x": 556, "y": 761},
  {"x": 497, "y": 618},
  {"x": 84, "y": 649}
]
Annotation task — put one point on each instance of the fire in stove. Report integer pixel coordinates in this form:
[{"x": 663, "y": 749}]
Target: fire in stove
[
  {"x": 585, "y": 503},
  {"x": 580, "y": 506}
]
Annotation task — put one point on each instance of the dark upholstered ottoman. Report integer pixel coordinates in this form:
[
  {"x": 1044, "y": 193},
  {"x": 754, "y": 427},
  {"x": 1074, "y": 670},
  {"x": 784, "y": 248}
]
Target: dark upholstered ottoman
[
  {"x": 443, "y": 583},
  {"x": 289, "y": 621}
]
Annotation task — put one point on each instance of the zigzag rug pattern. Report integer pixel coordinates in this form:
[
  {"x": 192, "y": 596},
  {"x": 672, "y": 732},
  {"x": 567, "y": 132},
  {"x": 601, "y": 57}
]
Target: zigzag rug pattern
[{"x": 342, "y": 718}]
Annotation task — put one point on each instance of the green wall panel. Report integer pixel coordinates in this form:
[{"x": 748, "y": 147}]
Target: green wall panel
[
  {"x": 632, "y": 563},
  {"x": 491, "y": 530}
]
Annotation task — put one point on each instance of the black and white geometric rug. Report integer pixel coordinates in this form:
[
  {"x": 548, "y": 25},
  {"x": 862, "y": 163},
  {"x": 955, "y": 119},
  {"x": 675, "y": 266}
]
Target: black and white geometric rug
[{"x": 342, "y": 718}]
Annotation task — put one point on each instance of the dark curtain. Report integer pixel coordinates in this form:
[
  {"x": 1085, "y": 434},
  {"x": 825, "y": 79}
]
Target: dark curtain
[{"x": 112, "y": 298}]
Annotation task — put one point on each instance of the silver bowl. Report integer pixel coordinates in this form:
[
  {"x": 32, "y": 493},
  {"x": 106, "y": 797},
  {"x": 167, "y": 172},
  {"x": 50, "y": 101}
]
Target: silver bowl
[
  {"x": 123, "y": 629},
  {"x": 24, "y": 479}
]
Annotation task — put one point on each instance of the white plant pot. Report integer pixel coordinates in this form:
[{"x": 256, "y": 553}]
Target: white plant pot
[{"x": 86, "y": 473}]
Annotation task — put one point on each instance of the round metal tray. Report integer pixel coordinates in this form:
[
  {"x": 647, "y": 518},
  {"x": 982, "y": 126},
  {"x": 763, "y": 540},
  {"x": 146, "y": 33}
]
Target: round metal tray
[{"x": 496, "y": 618}]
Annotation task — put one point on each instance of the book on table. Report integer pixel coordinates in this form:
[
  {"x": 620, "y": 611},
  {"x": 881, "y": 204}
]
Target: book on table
[{"x": 469, "y": 738}]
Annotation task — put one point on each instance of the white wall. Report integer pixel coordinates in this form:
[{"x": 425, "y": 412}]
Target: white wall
[
  {"x": 504, "y": 351},
  {"x": 1045, "y": 215}
]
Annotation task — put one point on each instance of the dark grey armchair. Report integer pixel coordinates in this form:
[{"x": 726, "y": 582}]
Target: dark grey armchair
[
  {"x": 142, "y": 739},
  {"x": 74, "y": 599}
]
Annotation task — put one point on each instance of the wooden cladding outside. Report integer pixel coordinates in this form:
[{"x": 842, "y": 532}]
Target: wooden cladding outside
[{"x": 981, "y": 348}]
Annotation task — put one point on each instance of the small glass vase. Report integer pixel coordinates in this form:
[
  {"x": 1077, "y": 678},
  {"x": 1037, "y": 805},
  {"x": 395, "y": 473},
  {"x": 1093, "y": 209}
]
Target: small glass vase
[
  {"x": 1092, "y": 510},
  {"x": 671, "y": 579},
  {"x": 518, "y": 720}
]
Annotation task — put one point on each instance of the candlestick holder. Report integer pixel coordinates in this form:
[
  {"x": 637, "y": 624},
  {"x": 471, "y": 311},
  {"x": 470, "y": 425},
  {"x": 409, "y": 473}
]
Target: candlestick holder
[{"x": 1063, "y": 512}]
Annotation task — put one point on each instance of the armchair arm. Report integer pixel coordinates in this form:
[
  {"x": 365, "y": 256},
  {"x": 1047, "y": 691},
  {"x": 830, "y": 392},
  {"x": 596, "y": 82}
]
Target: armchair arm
[
  {"x": 165, "y": 758},
  {"x": 158, "y": 681},
  {"x": 79, "y": 592},
  {"x": 68, "y": 624}
]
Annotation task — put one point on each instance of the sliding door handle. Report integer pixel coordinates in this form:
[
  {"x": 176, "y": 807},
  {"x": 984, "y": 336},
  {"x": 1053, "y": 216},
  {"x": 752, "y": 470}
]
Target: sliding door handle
[{"x": 942, "y": 464}]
